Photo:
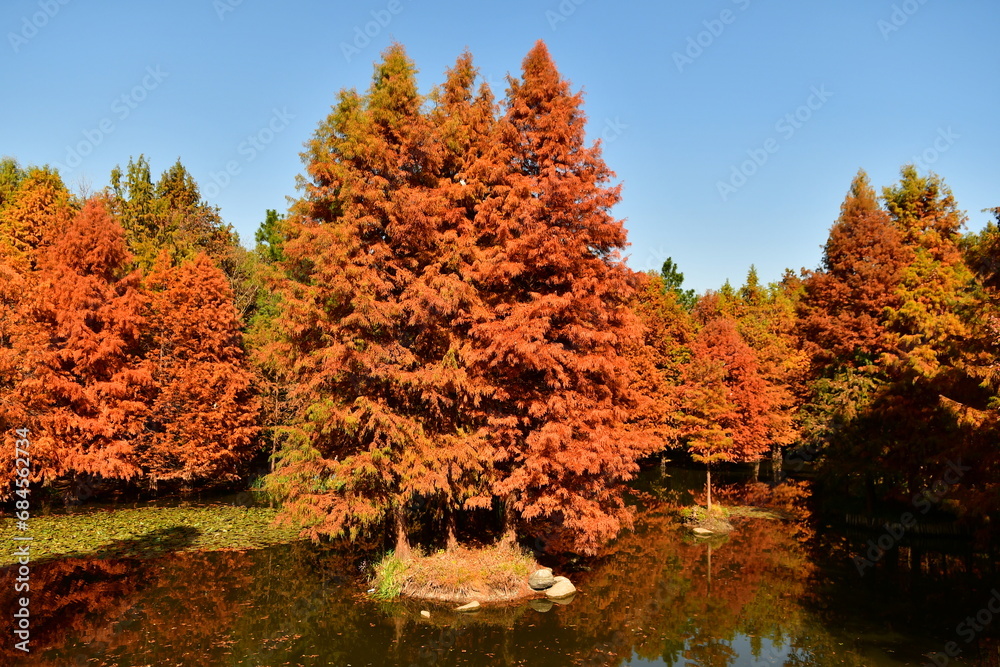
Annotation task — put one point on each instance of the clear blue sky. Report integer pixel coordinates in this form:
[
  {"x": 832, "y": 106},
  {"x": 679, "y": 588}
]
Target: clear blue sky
[{"x": 888, "y": 81}]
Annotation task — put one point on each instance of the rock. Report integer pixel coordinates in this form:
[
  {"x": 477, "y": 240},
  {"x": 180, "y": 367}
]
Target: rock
[
  {"x": 562, "y": 588},
  {"x": 564, "y": 601},
  {"x": 541, "y": 605},
  {"x": 472, "y": 606},
  {"x": 425, "y": 614},
  {"x": 541, "y": 579},
  {"x": 702, "y": 532}
]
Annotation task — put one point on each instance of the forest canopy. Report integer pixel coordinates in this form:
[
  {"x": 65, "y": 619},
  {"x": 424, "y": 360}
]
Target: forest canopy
[{"x": 441, "y": 334}]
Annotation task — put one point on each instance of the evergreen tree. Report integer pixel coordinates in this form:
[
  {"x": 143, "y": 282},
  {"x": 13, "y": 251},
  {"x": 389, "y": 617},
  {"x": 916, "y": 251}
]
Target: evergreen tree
[{"x": 672, "y": 281}]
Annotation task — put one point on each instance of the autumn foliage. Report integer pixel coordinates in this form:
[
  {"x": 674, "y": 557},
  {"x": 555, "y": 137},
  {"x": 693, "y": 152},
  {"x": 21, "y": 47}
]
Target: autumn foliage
[
  {"x": 119, "y": 376},
  {"x": 457, "y": 313},
  {"x": 442, "y": 338}
]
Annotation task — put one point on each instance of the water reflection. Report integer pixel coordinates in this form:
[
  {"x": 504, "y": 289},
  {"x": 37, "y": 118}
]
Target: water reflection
[{"x": 771, "y": 593}]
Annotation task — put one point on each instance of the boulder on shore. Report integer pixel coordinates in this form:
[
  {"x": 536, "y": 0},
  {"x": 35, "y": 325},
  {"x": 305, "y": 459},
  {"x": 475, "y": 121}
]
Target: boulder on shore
[
  {"x": 561, "y": 588},
  {"x": 702, "y": 532},
  {"x": 541, "y": 579},
  {"x": 472, "y": 606}
]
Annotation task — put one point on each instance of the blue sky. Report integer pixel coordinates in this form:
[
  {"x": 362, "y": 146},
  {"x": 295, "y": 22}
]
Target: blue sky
[{"x": 735, "y": 125}]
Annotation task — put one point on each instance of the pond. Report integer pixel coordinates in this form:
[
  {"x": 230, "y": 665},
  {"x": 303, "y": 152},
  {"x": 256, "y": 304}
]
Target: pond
[{"x": 771, "y": 593}]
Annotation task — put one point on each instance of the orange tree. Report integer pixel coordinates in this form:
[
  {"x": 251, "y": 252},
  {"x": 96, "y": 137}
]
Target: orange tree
[{"x": 456, "y": 312}]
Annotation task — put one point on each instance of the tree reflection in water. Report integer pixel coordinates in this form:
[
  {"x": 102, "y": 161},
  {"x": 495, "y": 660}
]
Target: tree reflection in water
[{"x": 657, "y": 596}]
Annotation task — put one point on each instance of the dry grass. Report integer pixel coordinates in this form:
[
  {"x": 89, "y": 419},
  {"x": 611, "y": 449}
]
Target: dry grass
[{"x": 496, "y": 573}]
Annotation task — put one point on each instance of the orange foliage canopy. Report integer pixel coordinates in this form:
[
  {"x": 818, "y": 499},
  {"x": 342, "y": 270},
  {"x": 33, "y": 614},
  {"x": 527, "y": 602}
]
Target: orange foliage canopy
[
  {"x": 727, "y": 402},
  {"x": 108, "y": 388},
  {"x": 203, "y": 419},
  {"x": 88, "y": 388},
  {"x": 457, "y": 312}
]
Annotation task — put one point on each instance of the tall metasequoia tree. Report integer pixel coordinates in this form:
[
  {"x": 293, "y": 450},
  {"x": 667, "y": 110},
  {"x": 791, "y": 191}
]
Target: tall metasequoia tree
[
  {"x": 203, "y": 419},
  {"x": 842, "y": 321},
  {"x": 980, "y": 362},
  {"x": 726, "y": 402},
  {"x": 464, "y": 121},
  {"x": 935, "y": 287},
  {"x": 886, "y": 319},
  {"x": 35, "y": 209},
  {"x": 842, "y": 311},
  {"x": 925, "y": 403},
  {"x": 89, "y": 389},
  {"x": 382, "y": 392},
  {"x": 552, "y": 274}
]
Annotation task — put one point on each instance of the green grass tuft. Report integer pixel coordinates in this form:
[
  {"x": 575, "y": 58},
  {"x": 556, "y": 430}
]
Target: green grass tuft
[{"x": 389, "y": 577}]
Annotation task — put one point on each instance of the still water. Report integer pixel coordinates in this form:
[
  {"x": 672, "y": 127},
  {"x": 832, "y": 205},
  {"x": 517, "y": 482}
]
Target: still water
[{"x": 771, "y": 593}]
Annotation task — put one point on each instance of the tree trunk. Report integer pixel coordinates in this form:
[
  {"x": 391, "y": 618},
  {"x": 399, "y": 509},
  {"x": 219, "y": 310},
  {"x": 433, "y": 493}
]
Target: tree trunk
[
  {"x": 756, "y": 470},
  {"x": 777, "y": 464},
  {"x": 508, "y": 535},
  {"x": 452, "y": 540},
  {"x": 708, "y": 485},
  {"x": 402, "y": 541}
]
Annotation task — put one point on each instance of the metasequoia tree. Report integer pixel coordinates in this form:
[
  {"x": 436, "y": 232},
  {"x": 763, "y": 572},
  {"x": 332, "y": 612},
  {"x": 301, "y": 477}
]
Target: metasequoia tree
[
  {"x": 35, "y": 208},
  {"x": 660, "y": 357},
  {"x": 931, "y": 386},
  {"x": 980, "y": 361},
  {"x": 842, "y": 322},
  {"x": 464, "y": 121},
  {"x": 203, "y": 419},
  {"x": 842, "y": 311},
  {"x": 553, "y": 352},
  {"x": 457, "y": 312},
  {"x": 34, "y": 213},
  {"x": 765, "y": 318},
  {"x": 887, "y": 320},
  {"x": 726, "y": 402},
  {"x": 89, "y": 389},
  {"x": 383, "y": 395}
]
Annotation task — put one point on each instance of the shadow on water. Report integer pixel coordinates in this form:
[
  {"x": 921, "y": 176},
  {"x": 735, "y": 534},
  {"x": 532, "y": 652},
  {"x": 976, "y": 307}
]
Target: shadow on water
[
  {"x": 771, "y": 593},
  {"x": 153, "y": 544}
]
